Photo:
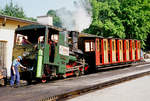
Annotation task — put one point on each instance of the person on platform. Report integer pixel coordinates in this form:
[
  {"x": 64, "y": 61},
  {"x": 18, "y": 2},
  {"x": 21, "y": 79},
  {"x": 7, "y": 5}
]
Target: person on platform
[{"x": 15, "y": 76}]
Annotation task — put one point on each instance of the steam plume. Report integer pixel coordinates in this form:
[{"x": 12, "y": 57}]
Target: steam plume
[{"x": 77, "y": 20}]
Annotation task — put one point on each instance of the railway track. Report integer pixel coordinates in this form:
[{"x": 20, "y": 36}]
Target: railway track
[
  {"x": 60, "y": 90},
  {"x": 65, "y": 96},
  {"x": 95, "y": 87}
]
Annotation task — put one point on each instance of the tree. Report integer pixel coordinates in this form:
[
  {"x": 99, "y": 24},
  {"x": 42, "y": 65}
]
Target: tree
[
  {"x": 105, "y": 19},
  {"x": 136, "y": 19},
  {"x": 0, "y": 11},
  {"x": 15, "y": 11},
  {"x": 56, "y": 19},
  {"x": 121, "y": 18}
]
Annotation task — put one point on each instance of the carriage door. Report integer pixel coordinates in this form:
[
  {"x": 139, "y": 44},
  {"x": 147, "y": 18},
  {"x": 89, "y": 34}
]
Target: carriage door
[
  {"x": 133, "y": 49},
  {"x": 97, "y": 51},
  {"x": 113, "y": 50},
  {"x": 2, "y": 55},
  {"x": 120, "y": 50},
  {"x": 127, "y": 50},
  {"x": 105, "y": 51},
  {"x": 138, "y": 50}
]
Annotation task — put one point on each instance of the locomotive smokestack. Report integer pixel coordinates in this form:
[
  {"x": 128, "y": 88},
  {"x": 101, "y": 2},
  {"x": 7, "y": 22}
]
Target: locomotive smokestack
[{"x": 74, "y": 36}]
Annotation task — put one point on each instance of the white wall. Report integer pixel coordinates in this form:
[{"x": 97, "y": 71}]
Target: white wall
[
  {"x": 46, "y": 20},
  {"x": 8, "y": 35}
]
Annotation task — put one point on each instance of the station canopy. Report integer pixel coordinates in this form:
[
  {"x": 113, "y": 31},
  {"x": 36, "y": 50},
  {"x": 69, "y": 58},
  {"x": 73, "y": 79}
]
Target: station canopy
[{"x": 37, "y": 28}]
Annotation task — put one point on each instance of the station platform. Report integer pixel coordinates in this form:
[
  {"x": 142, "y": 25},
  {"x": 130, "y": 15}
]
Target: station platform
[{"x": 39, "y": 92}]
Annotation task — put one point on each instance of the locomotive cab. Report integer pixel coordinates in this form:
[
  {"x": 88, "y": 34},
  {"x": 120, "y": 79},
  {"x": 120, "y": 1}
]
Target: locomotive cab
[
  {"x": 36, "y": 49},
  {"x": 49, "y": 55}
]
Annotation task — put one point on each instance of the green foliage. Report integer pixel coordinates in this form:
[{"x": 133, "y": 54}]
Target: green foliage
[
  {"x": 15, "y": 11},
  {"x": 105, "y": 19},
  {"x": 136, "y": 19},
  {"x": 121, "y": 18},
  {"x": 56, "y": 19},
  {"x": 0, "y": 11},
  {"x": 30, "y": 18}
]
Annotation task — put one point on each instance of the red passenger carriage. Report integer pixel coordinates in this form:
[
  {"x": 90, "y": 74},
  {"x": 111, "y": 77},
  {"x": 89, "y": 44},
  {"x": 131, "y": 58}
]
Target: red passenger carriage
[{"x": 101, "y": 52}]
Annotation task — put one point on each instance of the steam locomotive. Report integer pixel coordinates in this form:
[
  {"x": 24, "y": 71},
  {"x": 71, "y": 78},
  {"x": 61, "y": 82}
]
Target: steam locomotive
[{"x": 55, "y": 52}]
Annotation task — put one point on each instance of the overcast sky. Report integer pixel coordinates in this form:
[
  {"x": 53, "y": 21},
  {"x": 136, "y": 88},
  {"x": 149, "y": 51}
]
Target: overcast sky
[{"x": 34, "y": 8}]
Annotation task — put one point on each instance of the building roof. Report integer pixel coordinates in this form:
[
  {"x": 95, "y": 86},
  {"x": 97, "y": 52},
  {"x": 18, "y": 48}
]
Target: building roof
[
  {"x": 17, "y": 19},
  {"x": 37, "y": 26},
  {"x": 36, "y": 29},
  {"x": 85, "y": 35}
]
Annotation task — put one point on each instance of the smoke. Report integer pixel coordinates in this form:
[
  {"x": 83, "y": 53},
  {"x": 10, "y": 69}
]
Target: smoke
[{"x": 78, "y": 19}]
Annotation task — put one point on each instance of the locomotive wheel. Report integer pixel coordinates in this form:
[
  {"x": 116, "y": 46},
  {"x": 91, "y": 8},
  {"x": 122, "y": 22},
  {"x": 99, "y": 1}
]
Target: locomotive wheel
[
  {"x": 43, "y": 81},
  {"x": 29, "y": 78},
  {"x": 81, "y": 72},
  {"x": 44, "y": 78},
  {"x": 77, "y": 73}
]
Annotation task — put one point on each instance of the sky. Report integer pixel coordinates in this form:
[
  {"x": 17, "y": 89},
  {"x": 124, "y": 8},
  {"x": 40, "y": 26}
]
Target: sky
[{"x": 34, "y": 8}]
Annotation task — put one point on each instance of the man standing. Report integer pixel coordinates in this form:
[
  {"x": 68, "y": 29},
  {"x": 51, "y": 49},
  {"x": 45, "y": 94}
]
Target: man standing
[{"x": 14, "y": 71}]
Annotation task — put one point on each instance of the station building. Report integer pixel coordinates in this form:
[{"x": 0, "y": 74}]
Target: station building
[{"x": 7, "y": 33}]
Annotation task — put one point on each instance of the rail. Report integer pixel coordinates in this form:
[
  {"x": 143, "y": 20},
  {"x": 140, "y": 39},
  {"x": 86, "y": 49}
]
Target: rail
[{"x": 80, "y": 92}]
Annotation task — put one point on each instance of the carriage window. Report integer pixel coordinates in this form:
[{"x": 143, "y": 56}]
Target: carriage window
[
  {"x": 133, "y": 45},
  {"x": 97, "y": 45},
  {"x": 139, "y": 45},
  {"x": 127, "y": 45},
  {"x": 104, "y": 45},
  {"x": 113, "y": 45},
  {"x": 92, "y": 46},
  {"x": 89, "y": 46},
  {"x": 120, "y": 45},
  {"x": 108, "y": 45}
]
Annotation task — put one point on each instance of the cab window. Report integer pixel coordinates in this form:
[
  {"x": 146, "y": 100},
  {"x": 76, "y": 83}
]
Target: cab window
[{"x": 54, "y": 37}]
